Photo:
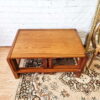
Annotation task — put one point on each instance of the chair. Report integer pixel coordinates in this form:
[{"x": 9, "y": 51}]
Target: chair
[{"x": 95, "y": 43}]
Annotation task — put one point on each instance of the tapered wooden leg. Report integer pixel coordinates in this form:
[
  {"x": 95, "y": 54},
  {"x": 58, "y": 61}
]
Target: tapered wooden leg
[{"x": 13, "y": 66}]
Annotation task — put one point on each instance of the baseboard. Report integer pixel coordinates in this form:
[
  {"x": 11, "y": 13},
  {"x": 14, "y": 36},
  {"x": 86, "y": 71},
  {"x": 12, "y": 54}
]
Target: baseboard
[{"x": 5, "y": 46}]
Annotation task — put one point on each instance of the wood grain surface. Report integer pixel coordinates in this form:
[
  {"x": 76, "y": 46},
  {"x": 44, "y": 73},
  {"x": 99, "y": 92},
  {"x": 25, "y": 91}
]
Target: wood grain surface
[{"x": 47, "y": 43}]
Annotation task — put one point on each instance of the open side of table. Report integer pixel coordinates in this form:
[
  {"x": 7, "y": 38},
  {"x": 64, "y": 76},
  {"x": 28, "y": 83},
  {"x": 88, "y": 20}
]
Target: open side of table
[
  {"x": 48, "y": 67},
  {"x": 48, "y": 45}
]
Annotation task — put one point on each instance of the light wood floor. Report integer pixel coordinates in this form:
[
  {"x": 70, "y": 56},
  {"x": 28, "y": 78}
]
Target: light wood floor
[{"x": 8, "y": 84}]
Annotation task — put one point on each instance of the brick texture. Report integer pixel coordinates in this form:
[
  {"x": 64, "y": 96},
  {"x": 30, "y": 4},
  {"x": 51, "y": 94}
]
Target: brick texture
[{"x": 43, "y": 14}]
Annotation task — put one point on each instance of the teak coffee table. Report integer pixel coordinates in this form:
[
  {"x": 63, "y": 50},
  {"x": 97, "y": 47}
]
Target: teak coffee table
[{"x": 47, "y": 44}]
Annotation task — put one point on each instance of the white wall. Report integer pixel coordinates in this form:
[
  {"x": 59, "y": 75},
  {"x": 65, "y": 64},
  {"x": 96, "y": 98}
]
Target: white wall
[{"x": 15, "y": 14}]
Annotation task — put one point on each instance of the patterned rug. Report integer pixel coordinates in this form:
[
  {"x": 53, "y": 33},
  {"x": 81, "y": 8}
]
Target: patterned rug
[{"x": 60, "y": 86}]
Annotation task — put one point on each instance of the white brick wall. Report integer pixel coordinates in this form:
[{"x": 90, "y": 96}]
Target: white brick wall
[{"x": 15, "y": 14}]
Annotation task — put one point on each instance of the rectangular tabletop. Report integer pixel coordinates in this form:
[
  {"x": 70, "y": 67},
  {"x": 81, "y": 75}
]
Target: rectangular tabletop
[{"x": 47, "y": 43}]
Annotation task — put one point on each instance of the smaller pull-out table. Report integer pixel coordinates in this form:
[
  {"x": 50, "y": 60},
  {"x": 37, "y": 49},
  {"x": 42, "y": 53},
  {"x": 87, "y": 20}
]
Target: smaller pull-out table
[{"x": 47, "y": 45}]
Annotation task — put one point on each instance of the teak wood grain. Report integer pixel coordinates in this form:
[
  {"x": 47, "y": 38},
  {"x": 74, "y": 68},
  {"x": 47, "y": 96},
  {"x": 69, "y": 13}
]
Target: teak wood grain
[{"x": 47, "y": 43}]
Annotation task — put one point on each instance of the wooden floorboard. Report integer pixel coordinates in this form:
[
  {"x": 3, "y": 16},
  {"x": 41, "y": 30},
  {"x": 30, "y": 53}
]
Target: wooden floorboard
[{"x": 8, "y": 84}]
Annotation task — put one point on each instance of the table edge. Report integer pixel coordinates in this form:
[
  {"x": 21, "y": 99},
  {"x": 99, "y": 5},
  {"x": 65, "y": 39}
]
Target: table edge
[{"x": 17, "y": 34}]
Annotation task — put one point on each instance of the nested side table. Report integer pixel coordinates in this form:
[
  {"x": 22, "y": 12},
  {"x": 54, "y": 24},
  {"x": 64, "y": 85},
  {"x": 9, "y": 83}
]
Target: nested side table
[{"x": 47, "y": 44}]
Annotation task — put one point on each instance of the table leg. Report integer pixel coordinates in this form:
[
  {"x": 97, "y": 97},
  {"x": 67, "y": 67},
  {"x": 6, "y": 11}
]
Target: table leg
[
  {"x": 82, "y": 63},
  {"x": 14, "y": 66}
]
